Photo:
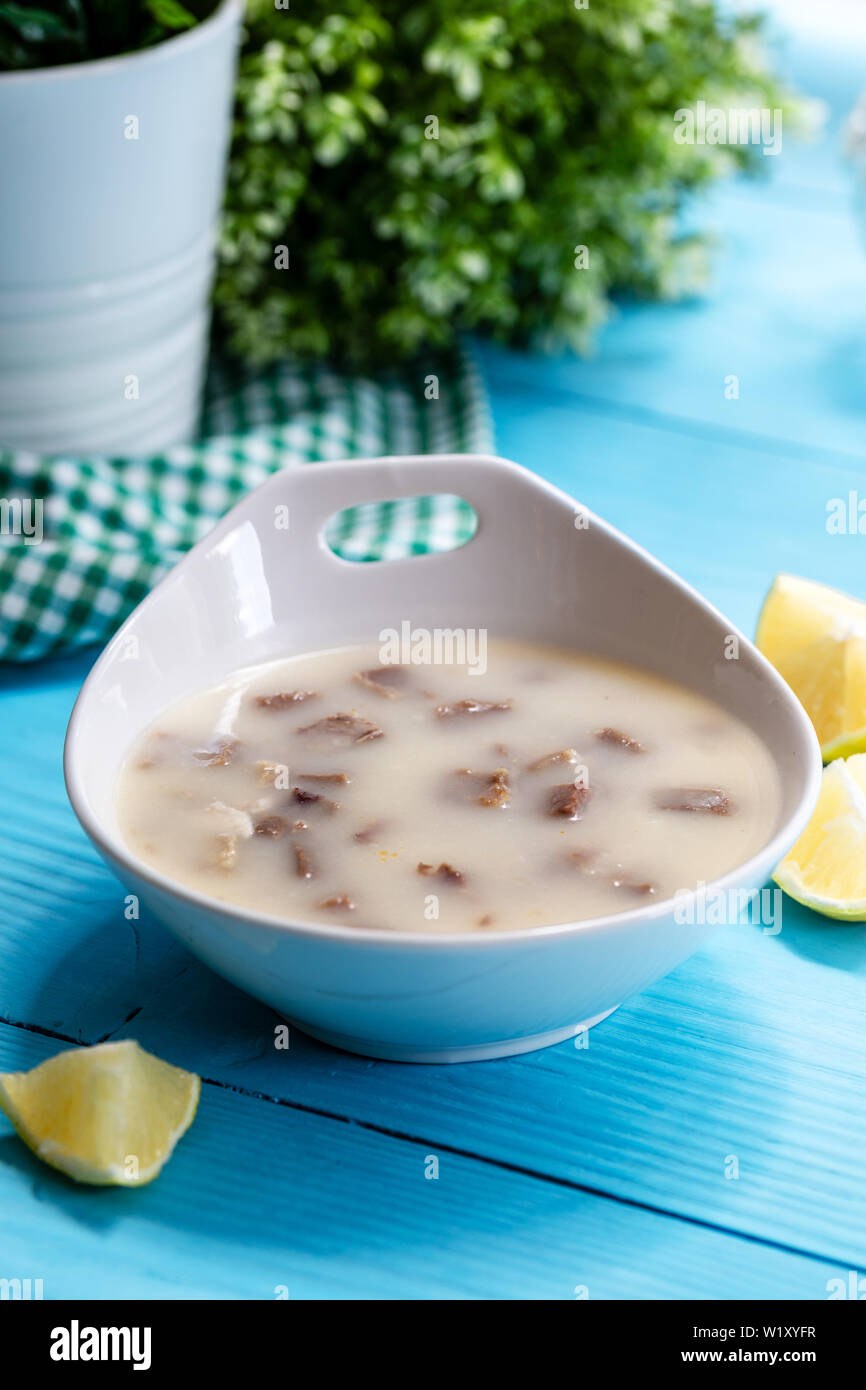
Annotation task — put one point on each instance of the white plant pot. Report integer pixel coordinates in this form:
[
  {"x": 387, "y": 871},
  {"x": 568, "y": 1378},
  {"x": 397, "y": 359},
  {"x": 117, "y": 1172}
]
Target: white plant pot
[{"x": 111, "y": 175}]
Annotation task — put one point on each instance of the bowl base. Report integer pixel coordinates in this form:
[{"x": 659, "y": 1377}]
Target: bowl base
[{"x": 481, "y": 1052}]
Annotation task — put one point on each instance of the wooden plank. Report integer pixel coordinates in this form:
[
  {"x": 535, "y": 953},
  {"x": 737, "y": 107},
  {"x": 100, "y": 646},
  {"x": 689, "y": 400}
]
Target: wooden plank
[{"x": 261, "y": 1197}]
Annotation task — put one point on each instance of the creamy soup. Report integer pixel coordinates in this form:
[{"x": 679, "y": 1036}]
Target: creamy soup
[{"x": 548, "y": 787}]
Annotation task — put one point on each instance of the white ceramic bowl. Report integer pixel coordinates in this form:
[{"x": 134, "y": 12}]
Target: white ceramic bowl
[{"x": 253, "y": 592}]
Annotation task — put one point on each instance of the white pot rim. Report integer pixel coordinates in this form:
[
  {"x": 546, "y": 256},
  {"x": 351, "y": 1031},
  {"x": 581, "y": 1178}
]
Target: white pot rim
[{"x": 223, "y": 17}]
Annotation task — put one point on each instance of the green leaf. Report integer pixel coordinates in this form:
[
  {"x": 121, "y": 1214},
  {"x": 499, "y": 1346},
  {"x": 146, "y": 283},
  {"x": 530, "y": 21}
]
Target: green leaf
[{"x": 171, "y": 13}]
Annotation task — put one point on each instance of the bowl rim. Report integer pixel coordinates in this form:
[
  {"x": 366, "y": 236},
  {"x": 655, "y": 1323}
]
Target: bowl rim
[{"x": 114, "y": 850}]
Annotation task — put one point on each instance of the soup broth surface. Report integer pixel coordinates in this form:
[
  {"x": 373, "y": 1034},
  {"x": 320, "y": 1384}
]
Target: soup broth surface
[{"x": 327, "y": 788}]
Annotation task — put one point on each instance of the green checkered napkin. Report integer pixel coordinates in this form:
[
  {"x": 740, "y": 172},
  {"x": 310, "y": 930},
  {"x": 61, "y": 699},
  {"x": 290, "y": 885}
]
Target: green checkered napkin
[{"x": 113, "y": 527}]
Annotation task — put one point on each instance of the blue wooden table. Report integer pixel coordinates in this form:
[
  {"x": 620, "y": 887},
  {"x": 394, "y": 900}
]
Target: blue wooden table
[{"x": 711, "y": 1140}]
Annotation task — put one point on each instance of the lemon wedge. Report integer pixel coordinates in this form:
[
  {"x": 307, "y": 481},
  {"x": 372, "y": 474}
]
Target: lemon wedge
[
  {"x": 826, "y": 869},
  {"x": 109, "y": 1114},
  {"x": 816, "y": 639}
]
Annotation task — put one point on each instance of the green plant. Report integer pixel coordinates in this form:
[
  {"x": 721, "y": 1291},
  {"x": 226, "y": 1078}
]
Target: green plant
[
  {"x": 555, "y": 130},
  {"x": 73, "y": 31}
]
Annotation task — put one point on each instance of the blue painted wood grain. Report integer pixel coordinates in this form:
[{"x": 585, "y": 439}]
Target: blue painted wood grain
[
  {"x": 262, "y": 1197},
  {"x": 603, "y": 1167}
]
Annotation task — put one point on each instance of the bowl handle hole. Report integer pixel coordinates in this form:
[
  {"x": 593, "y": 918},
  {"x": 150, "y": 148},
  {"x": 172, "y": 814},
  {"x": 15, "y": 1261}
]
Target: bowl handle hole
[{"x": 397, "y": 528}]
